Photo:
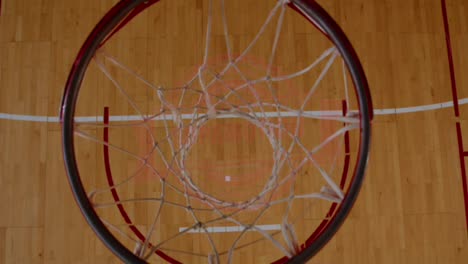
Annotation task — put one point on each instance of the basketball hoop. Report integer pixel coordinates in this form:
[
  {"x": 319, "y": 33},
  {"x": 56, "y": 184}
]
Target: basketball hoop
[{"x": 310, "y": 177}]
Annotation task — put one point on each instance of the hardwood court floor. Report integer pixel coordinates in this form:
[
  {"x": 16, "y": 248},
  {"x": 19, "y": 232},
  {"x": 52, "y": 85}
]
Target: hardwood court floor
[{"x": 411, "y": 208}]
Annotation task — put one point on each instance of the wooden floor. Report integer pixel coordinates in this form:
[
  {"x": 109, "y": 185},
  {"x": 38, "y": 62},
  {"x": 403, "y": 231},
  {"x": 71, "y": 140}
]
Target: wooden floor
[{"x": 411, "y": 208}]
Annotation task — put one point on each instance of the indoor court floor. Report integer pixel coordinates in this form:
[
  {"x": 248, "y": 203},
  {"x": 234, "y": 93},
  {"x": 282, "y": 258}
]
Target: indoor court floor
[{"x": 413, "y": 207}]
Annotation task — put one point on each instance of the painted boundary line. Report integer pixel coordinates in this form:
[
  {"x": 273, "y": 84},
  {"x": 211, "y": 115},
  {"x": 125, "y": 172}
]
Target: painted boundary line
[
  {"x": 462, "y": 155},
  {"x": 461, "y": 152},
  {"x": 115, "y": 195},
  {"x": 121, "y": 118},
  {"x": 448, "y": 42},
  {"x": 228, "y": 229}
]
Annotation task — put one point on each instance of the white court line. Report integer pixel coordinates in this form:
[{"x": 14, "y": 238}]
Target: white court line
[
  {"x": 229, "y": 229},
  {"x": 386, "y": 111}
]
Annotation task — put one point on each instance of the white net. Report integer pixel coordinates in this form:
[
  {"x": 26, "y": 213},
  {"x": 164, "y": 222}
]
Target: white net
[{"x": 216, "y": 94}]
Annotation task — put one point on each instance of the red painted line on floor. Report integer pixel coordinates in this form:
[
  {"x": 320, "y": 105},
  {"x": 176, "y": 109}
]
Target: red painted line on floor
[
  {"x": 465, "y": 153},
  {"x": 461, "y": 153},
  {"x": 345, "y": 111},
  {"x": 334, "y": 207},
  {"x": 115, "y": 195},
  {"x": 448, "y": 42},
  {"x": 463, "y": 170},
  {"x": 110, "y": 179}
]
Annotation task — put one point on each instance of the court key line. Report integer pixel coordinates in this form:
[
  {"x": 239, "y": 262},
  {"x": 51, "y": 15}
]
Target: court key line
[
  {"x": 123, "y": 118},
  {"x": 453, "y": 82},
  {"x": 228, "y": 229}
]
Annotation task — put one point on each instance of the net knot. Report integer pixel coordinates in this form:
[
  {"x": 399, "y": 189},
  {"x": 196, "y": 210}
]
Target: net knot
[
  {"x": 199, "y": 225},
  {"x": 138, "y": 250},
  {"x": 91, "y": 196},
  {"x": 211, "y": 112}
]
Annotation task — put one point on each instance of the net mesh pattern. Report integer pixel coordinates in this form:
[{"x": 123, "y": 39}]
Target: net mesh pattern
[{"x": 200, "y": 101}]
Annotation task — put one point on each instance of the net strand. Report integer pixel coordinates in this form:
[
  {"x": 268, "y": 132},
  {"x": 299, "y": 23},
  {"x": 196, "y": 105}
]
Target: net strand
[{"x": 151, "y": 230}]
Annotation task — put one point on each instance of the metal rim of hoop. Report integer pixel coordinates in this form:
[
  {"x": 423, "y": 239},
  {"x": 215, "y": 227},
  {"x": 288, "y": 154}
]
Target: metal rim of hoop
[{"x": 121, "y": 14}]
